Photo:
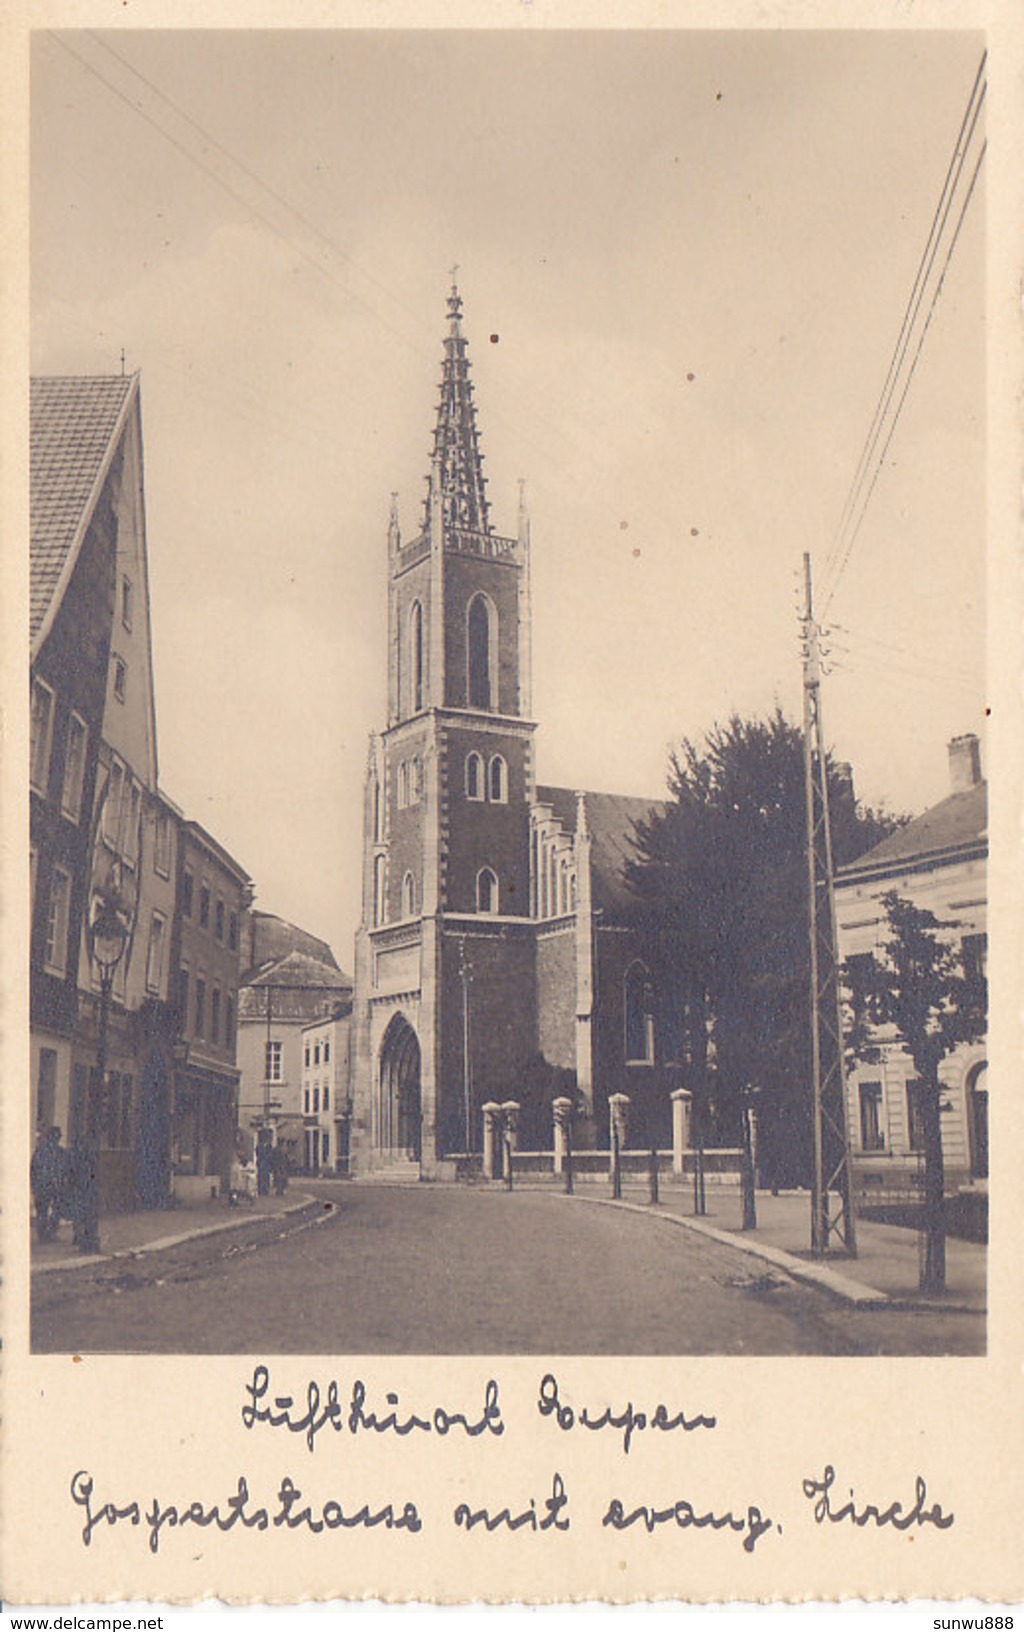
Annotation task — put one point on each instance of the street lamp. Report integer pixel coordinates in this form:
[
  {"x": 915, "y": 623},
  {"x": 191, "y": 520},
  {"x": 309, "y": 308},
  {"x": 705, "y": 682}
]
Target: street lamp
[{"x": 108, "y": 937}]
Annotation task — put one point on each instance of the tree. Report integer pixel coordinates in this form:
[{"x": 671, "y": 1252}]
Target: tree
[
  {"x": 722, "y": 877},
  {"x": 919, "y": 986}
]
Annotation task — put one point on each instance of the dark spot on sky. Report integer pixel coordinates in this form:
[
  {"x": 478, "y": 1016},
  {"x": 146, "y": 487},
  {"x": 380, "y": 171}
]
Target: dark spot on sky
[
  {"x": 636, "y": 555},
  {"x": 694, "y": 532},
  {"x": 691, "y": 377},
  {"x": 623, "y": 526},
  {"x": 494, "y": 339}
]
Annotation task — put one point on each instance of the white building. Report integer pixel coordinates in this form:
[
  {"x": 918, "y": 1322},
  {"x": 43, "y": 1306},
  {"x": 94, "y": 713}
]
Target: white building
[
  {"x": 326, "y": 1105},
  {"x": 939, "y": 862}
]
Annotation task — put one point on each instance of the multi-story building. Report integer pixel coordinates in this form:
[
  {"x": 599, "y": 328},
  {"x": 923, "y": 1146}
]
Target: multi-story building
[
  {"x": 79, "y": 432},
  {"x": 214, "y": 894},
  {"x": 326, "y": 1107},
  {"x": 278, "y": 999},
  {"x": 498, "y": 954},
  {"x": 105, "y": 840},
  {"x": 939, "y": 862},
  {"x": 94, "y": 740}
]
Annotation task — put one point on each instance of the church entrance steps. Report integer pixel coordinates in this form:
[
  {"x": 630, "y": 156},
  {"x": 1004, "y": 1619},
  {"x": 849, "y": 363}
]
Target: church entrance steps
[{"x": 399, "y": 1169}]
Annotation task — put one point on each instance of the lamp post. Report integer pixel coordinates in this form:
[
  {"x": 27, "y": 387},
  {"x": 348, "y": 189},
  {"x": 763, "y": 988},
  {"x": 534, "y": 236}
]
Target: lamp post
[
  {"x": 108, "y": 937},
  {"x": 466, "y": 977}
]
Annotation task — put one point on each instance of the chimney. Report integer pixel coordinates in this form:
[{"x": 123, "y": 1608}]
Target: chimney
[
  {"x": 843, "y": 772},
  {"x": 964, "y": 763}
]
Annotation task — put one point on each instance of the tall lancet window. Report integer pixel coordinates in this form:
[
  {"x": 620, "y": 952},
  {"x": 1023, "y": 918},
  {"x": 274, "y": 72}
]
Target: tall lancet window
[
  {"x": 416, "y": 656},
  {"x": 480, "y": 652},
  {"x": 639, "y": 1015}
]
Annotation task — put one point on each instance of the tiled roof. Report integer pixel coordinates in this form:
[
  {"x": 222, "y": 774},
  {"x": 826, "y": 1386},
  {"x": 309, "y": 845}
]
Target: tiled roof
[
  {"x": 298, "y": 969},
  {"x": 957, "y": 823},
  {"x": 610, "y": 820},
  {"x": 73, "y": 422}
]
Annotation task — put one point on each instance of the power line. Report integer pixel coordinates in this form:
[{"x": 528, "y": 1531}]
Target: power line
[
  {"x": 910, "y": 375},
  {"x": 885, "y": 418},
  {"x": 913, "y": 306}
]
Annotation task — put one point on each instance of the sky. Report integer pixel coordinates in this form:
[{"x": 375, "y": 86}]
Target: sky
[{"x": 685, "y": 259}]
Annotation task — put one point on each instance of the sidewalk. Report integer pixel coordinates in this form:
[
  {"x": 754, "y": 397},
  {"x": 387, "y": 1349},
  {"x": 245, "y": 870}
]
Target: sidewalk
[
  {"x": 885, "y": 1270},
  {"x": 124, "y": 1234}
]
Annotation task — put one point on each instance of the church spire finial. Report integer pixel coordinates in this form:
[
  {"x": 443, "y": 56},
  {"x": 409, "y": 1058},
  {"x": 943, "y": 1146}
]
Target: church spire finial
[{"x": 460, "y": 487}]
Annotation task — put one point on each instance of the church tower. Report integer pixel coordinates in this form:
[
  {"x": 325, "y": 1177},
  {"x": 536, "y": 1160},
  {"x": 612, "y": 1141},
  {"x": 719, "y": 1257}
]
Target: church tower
[{"x": 445, "y": 985}]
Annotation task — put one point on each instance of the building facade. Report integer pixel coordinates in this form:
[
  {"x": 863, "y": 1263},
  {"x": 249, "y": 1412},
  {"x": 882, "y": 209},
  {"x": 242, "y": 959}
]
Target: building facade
[
  {"x": 326, "y": 1107},
  {"x": 279, "y": 999},
  {"x": 497, "y": 956},
  {"x": 214, "y": 894},
  {"x": 939, "y": 862},
  {"x": 106, "y": 842}
]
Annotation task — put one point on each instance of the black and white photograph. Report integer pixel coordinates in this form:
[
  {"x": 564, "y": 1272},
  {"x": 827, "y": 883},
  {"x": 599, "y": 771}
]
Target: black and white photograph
[{"x": 508, "y": 761}]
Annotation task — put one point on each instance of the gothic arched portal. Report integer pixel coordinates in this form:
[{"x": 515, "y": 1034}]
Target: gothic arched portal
[{"x": 399, "y": 1110}]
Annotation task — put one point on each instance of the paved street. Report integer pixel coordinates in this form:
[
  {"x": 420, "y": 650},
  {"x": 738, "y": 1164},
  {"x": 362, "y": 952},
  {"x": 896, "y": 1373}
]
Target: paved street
[{"x": 431, "y": 1270}]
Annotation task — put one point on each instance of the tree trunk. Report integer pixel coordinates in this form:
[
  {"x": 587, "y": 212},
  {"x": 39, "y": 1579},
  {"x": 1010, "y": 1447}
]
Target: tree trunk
[{"x": 933, "y": 1269}]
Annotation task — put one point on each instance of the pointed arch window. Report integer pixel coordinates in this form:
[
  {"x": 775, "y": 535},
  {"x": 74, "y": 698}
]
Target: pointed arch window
[
  {"x": 481, "y": 649},
  {"x": 639, "y": 1015},
  {"x": 379, "y": 881},
  {"x": 416, "y": 657},
  {"x": 497, "y": 781},
  {"x": 474, "y": 776},
  {"x": 408, "y": 896},
  {"x": 486, "y": 891}
]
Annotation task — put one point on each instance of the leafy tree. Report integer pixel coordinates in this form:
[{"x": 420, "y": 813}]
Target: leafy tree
[
  {"x": 919, "y": 986},
  {"x": 722, "y": 878}
]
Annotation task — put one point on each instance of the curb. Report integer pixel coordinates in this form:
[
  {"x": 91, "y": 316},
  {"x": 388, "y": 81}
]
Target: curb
[
  {"x": 166, "y": 1242},
  {"x": 838, "y": 1286}
]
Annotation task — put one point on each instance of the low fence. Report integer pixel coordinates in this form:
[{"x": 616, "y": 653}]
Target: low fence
[{"x": 721, "y": 1166}]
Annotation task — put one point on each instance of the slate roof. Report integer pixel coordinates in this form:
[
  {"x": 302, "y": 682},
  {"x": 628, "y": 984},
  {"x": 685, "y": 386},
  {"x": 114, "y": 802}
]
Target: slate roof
[
  {"x": 957, "y": 825},
  {"x": 610, "y": 819},
  {"x": 298, "y": 969},
  {"x": 74, "y": 423}
]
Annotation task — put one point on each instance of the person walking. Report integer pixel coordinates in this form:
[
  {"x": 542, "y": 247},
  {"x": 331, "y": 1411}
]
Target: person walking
[
  {"x": 84, "y": 1195},
  {"x": 47, "y": 1175},
  {"x": 279, "y": 1169}
]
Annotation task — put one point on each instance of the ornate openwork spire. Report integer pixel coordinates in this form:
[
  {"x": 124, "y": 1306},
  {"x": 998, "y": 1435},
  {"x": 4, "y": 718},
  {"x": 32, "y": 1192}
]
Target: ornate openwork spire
[{"x": 458, "y": 479}]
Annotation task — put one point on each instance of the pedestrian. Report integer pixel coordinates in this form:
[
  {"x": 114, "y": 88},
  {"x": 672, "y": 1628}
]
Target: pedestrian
[
  {"x": 279, "y": 1168},
  {"x": 83, "y": 1191},
  {"x": 263, "y": 1155},
  {"x": 47, "y": 1175}
]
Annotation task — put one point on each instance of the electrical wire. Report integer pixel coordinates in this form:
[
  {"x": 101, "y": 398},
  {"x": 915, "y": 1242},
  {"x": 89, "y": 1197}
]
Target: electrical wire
[
  {"x": 927, "y": 261},
  {"x": 910, "y": 375}
]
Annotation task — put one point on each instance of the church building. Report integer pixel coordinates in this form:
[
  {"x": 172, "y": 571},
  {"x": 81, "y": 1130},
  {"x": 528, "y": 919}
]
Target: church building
[{"x": 498, "y": 956}]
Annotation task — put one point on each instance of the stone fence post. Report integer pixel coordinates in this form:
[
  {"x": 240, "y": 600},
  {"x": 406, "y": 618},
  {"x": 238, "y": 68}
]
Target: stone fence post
[
  {"x": 492, "y": 1133},
  {"x": 682, "y": 1112},
  {"x": 618, "y": 1118},
  {"x": 562, "y": 1111},
  {"x": 510, "y": 1111}
]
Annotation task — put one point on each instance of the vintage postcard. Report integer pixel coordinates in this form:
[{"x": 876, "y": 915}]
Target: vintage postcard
[{"x": 516, "y": 791}]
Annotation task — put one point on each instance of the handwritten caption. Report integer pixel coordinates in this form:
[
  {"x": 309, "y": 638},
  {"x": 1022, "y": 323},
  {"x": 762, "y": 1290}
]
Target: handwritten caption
[{"x": 356, "y": 1413}]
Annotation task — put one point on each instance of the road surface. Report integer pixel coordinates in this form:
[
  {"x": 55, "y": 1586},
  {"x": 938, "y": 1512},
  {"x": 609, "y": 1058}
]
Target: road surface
[{"x": 424, "y": 1269}]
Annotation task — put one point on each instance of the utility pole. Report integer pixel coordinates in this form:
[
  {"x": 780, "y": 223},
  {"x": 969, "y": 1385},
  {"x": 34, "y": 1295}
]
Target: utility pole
[
  {"x": 466, "y": 977},
  {"x": 831, "y": 1156}
]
